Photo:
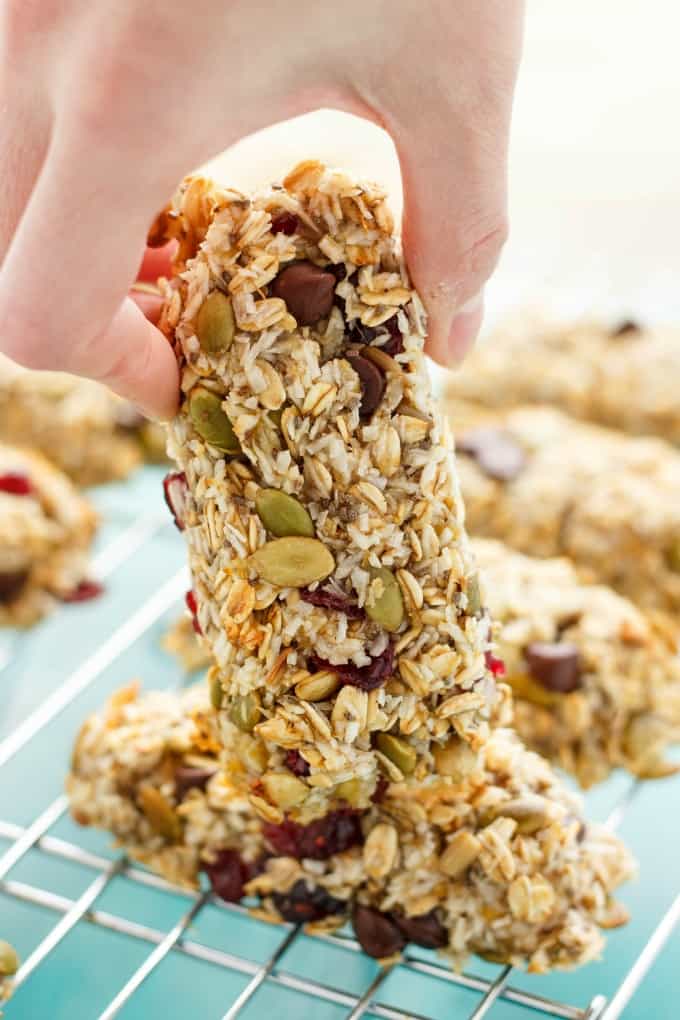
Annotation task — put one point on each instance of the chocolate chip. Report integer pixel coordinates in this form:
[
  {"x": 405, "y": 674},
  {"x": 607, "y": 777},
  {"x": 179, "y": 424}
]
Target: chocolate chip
[
  {"x": 377, "y": 933},
  {"x": 497, "y": 452},
  {"x": 372, "y": 383},
  {"x": 189, "y": 778},
  {"x": 426, "y": 930},
  {"x": 307, "y": 290},
  {"x": 629, "y": 327},
  {"x": 302, "y": 904},
  {"x": 555, "y": 666},
  {"x": 11, "y": 583}
]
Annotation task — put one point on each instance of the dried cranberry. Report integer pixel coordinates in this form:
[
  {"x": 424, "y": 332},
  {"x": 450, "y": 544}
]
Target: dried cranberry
[
  {"x": 285, "y": 223},
  {"x": 332, "y": 600},
  {"x": 307, "y": 291},
  {"x": 189, "y": 778},
  {"x": 377, "y": 933},
  {"x": 296, "y": 763},
  {"x": 425, "y": 930},
  {"x": 395, "y": 344},
  {"x": 320, "y": 839},
  {"x": 192, "y": 606},
  {"x": 367, "y": 678},
  {"x": 175, "y": 490},
  {"x": 11, "y": 584},
  {"x": 228, "y": 874},
  {"x": 494, "y": 665},
  {"x": 16, "y": 484},
  {"x": 371, "y": 380},
  {"x": 85, "y": 591},
  {"x": 301, "y": 904},
  {"x": 380, "y": 790}
]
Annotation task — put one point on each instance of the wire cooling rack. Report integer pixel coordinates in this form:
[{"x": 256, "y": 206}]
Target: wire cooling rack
[{"x": 140, "y": 561}]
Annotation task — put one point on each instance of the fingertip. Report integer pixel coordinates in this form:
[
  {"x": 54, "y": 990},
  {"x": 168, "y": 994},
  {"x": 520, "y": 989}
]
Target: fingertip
[
  {"x": 148, "y": 301},
  {"x": 450, "y": 345}
]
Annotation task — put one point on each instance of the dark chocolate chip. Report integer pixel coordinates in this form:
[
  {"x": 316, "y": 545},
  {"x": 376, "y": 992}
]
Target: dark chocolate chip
[
  {"x": 629, "y": 327},
  {"x": 307, "y": 290},
  {"x": 190, "y": 778},
  {"x": 554, "y": 665},
  {"x": 426, "y": 930},
  {"x": 372, "y": 383},
  {"x": 11, "y": 583},
  {"x": 497, "y": 452},
  {"x": 377, "y": 933},
  {"x": 302, "y": 904}
]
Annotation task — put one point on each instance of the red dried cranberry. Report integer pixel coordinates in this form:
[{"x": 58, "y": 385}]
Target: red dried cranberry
[
  {"x": 380, "y": 790},
  {"x": 302, "y": 904},
  {"x": 85, "y": 591},
  {"x": 367, "y": 678},
  {"x": 189, "y": 778},
  {"x": 377, "y": 933},
  {"x": 175, "y": 491},
  {"x": 16, "y": 484},
  {"x": 11, "y": 584},
  {"x": 494, "y": 665},
  {"x": 228, "y": 874},
  {"x": 372, "y": 383},
  {"x": 320, "y": 839},
  {"x": 395, "y": 344},
  {"x": 425, "y": 930},
  {"x": 296, "y": 763},
  {"x": 285, "y": 223},
  {"x": 332, "y": 600},
  {"x": 192, "y": 606}
]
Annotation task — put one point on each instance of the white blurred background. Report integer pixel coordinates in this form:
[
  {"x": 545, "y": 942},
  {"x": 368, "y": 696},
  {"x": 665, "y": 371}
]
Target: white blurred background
[{"x": 595, "y": 160}]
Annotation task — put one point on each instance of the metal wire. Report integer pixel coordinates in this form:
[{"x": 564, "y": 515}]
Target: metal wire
[{"x": 36, "y": 837}]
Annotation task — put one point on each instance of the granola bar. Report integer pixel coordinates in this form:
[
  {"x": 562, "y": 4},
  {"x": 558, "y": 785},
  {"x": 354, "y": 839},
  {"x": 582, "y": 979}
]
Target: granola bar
[
  {"x": 596, "y": 681},
  {"x": 621, "y": 375},
  {"x": 79, "y": 425},
  {"x": 9, "y": 965},
  {"x": 333, "y": 581},
  {"x": 499, "y": 864},
  {"x": 46, "y": 527},
  {"x": 551, "y": 486}
]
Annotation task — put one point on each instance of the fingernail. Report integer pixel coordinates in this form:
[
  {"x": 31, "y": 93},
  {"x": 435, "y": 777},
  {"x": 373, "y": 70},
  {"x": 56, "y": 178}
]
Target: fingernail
[{"x": 465, "y": 326}]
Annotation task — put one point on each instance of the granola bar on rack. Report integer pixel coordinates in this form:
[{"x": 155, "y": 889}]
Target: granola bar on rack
[
  {"x": 498, "y": 863},
  {"x": 596, "y": 681},
  {"x": 46, "y": 528},
  {"x": 79, "y": 425},
  {"x": 317, "y": 491},
  {"x": 551, "y": 486},
  {"x": 622, "y": 375}
]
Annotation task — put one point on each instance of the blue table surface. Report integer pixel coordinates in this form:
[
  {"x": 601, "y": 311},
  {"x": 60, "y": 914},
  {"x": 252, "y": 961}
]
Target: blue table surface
[{"x": 81, "y": 976}]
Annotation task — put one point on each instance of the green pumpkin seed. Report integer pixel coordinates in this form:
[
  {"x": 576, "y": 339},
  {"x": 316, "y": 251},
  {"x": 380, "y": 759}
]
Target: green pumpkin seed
[
  {"x": 474, "y": 596},
  {"x": 215, "y": 323},
  {"x": 283, "y": 514},
  {"x": 216, "y": 692},
  {"x": 245, "y": 711},
  {"x": 9, "y": 961},
  {"x": 352, "y": 791},
  {"x": 293, "y": 562},
  {"x": 210, "y": 421},
  {"x": 400, "y": 752},
  {"x": 388, "y": 608}
]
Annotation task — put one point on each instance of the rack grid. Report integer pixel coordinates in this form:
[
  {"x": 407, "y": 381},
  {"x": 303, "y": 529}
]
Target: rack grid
[{"x": 162, "y": 942}]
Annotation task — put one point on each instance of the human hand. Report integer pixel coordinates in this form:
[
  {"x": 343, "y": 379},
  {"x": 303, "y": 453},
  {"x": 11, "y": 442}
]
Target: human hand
[{"x": 108, "y": 105}]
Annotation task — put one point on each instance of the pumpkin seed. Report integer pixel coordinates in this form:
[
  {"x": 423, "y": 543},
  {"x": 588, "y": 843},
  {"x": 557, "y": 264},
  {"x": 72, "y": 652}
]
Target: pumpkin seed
[
  {"x": 215, "y": 323},
  {"x": 216, "y": 692},
  {"x": 352, "y": 791},
  {"x": 283, "y": 514},
  {"x": 387, "y": 609},
  {"x": 474, "y": 596},
  {"x": 9, "y": 961},
  {"x": 159, "y": 813},
  {"x": 293, "y": 562},
  {"x": 210, "y": 421},
  {"x": 245, "y": 711},
  {"x": 400, "y": 753}
]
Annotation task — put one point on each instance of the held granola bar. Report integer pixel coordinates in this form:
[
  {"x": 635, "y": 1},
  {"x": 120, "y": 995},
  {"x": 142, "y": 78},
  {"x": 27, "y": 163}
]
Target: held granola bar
[
  {"x": 551, "y": 486},
  {"x": 46, "y": 528},
  {"x": 499, "y": 864},
  {"x": 596, "y": 681},
  {"x": 317, "y": 492},
  {"x": 624, "y": 375},
  {"x": 79, "y": 425}
]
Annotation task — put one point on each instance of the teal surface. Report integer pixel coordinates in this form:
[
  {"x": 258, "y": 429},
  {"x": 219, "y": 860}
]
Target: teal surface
[{"x": 81, "y": 976}]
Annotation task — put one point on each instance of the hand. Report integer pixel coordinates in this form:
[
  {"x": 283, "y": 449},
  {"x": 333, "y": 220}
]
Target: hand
[{"x": 108, "y": 105}]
